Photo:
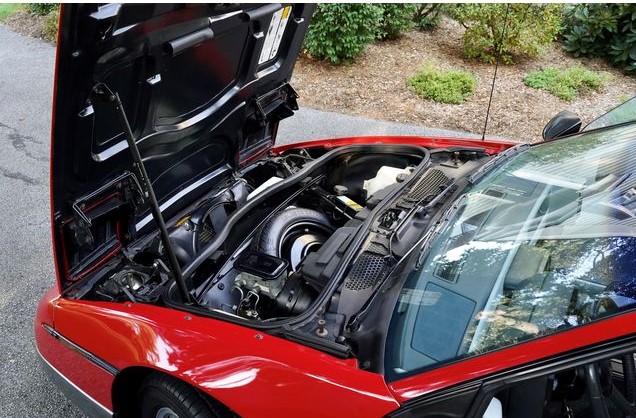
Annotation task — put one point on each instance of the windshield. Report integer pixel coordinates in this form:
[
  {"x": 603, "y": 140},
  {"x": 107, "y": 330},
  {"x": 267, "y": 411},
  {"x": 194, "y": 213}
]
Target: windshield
[{"x": 544, "y": 242}]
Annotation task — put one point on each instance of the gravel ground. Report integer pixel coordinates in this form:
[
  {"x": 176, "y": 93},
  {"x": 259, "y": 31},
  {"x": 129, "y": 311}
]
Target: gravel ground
[
  {"x": 25, "y": 259},
  {"x": 518, "y": 112}
]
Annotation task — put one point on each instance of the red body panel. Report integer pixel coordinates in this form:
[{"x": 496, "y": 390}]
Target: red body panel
[
  {"x": 254, "y": 373},
  {"x": 491, "y": 147},
  {"x": 92, "y": 379}
]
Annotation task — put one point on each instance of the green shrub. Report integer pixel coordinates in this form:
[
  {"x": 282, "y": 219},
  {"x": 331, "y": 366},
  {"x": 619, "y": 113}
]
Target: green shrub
[
  {"x": 396, "y": 18},
  {"x": 528, "y": 30},
  {"x": 568, "y": 83},
  {"x": 428, "y": 15},
  {"x": 42, "y": 9},
  {"x": 49, "y": 26},
  {"x": 340, "y": 32},
  {"x": 607, "y": 30},
  {"x": 444, "y": 86}
]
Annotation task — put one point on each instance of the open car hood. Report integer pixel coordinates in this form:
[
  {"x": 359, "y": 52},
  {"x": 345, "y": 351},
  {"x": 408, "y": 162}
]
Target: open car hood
[{"x": 203, "y": 88}]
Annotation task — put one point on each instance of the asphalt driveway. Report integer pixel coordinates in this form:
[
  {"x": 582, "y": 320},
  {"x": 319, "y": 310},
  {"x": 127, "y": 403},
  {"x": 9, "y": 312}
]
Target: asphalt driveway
[{"x": 26, "y": 74}]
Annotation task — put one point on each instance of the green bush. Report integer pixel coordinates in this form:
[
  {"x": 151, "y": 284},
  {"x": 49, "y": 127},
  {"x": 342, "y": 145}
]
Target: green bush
[
  {"x": 396, "y": 18},
  {"x": 428, "y": 15},
  {"x": 42, "y": 9},
  {"x": 444, "y": 86},
  {"x": 529, "y": 29},
  {"x": 607, "y": 30},
  {"x": 568, "y": 83},
  {"x": 340, "y": 32},
  {"x": 50, "y": 24}
]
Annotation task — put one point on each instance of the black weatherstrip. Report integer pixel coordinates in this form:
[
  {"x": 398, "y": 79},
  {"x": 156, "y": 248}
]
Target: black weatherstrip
[{"x": 102, "y": 364}]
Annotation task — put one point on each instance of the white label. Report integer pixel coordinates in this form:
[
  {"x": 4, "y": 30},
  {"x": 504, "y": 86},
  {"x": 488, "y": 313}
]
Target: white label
[
  {"x": 281, "y": 30},
  {"x": 275, "y": 34}
]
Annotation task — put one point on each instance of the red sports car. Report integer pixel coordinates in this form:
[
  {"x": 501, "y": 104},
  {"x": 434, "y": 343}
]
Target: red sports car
[{"x": 203, "y": 273}]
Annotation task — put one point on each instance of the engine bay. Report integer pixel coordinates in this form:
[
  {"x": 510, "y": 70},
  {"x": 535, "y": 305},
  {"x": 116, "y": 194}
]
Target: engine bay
[{"x": 268, "y": 244}]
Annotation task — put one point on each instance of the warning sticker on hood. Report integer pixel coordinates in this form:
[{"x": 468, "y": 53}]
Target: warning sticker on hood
[{"x": 275, "y": 34}]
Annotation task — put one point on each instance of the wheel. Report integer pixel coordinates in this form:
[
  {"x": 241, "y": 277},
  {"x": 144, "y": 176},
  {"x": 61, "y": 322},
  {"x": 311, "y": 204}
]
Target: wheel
[{"x": 161, "y": 396}]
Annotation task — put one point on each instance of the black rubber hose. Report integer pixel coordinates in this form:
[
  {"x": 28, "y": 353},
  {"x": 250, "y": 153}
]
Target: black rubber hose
[
  {"x": 271, "y": 236},
  {"x": 629, "y": 375}
]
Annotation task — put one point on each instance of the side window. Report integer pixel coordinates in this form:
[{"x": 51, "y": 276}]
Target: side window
[{"x": 602, "y": 389}]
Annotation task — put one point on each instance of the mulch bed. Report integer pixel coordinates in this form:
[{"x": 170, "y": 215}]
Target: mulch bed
[{"x": 374, "y": 86}]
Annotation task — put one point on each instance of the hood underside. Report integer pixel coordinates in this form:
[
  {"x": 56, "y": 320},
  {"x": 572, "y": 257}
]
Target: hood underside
[{"x": 203, "y": 87}]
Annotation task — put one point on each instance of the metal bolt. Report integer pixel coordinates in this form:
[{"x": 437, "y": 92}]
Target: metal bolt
[{"x": 322, "y": 330}]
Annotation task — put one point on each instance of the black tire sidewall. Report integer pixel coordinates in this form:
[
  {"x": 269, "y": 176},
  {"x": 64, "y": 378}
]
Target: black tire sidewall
[{"x": 157, "y": 393}]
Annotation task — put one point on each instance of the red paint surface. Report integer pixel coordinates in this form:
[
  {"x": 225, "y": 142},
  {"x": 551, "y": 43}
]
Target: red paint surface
[
  {"x": 491, "y": 147},
  {"x": 93, "y": 380},
  {"x": 256, "y": 374},
  {"x": 263, "y": 376}
]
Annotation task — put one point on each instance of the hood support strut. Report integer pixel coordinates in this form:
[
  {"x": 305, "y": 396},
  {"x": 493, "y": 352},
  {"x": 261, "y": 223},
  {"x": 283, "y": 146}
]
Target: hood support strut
[{"x": 102, "y": 92}]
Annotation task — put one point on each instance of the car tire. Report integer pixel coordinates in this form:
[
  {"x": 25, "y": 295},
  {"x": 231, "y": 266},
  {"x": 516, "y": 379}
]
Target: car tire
[{"x": 161, "y": 396}]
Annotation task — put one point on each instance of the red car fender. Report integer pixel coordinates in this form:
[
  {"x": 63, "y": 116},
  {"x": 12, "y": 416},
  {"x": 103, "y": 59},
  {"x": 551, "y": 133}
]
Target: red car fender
[{"x": 253, "y": 373}]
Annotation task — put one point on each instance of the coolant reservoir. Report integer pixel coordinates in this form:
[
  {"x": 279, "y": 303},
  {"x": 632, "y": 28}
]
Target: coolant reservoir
[{"x": 386, "y": 176}]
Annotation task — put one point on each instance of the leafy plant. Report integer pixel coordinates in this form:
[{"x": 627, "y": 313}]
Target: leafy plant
[
  {"x": 444, "y": 86},
  {"x": 340, "y": 32},
  {"x": 568, "y": 83},
  {"x": 428, "y": 15},
  {"x": 396, "y": 18},
  {"x": 510, "y": 29},
  {"x": 42, "y": 9},
  {"x": 607, "y": 30},
  {"x": 50, "y": 25}
]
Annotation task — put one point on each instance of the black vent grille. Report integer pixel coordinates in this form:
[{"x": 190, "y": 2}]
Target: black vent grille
[
  {"x": 367, "y": 271},
  {"x": 376, "y": 248},
  {"x": 430, "y": 184},
  {"x": 207, "y": 233}
]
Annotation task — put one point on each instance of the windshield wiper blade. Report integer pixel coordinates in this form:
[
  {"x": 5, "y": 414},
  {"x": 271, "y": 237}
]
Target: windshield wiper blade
[{"x": 434, "y": 232}]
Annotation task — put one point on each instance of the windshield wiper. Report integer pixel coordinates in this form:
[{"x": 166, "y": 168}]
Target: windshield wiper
[{"x": 496, "y": 160}]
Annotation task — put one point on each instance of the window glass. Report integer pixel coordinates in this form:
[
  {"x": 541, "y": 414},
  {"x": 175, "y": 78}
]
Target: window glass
[
  {"x": 625, "y": 112},
  {"x": 545, "y": 242}
]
